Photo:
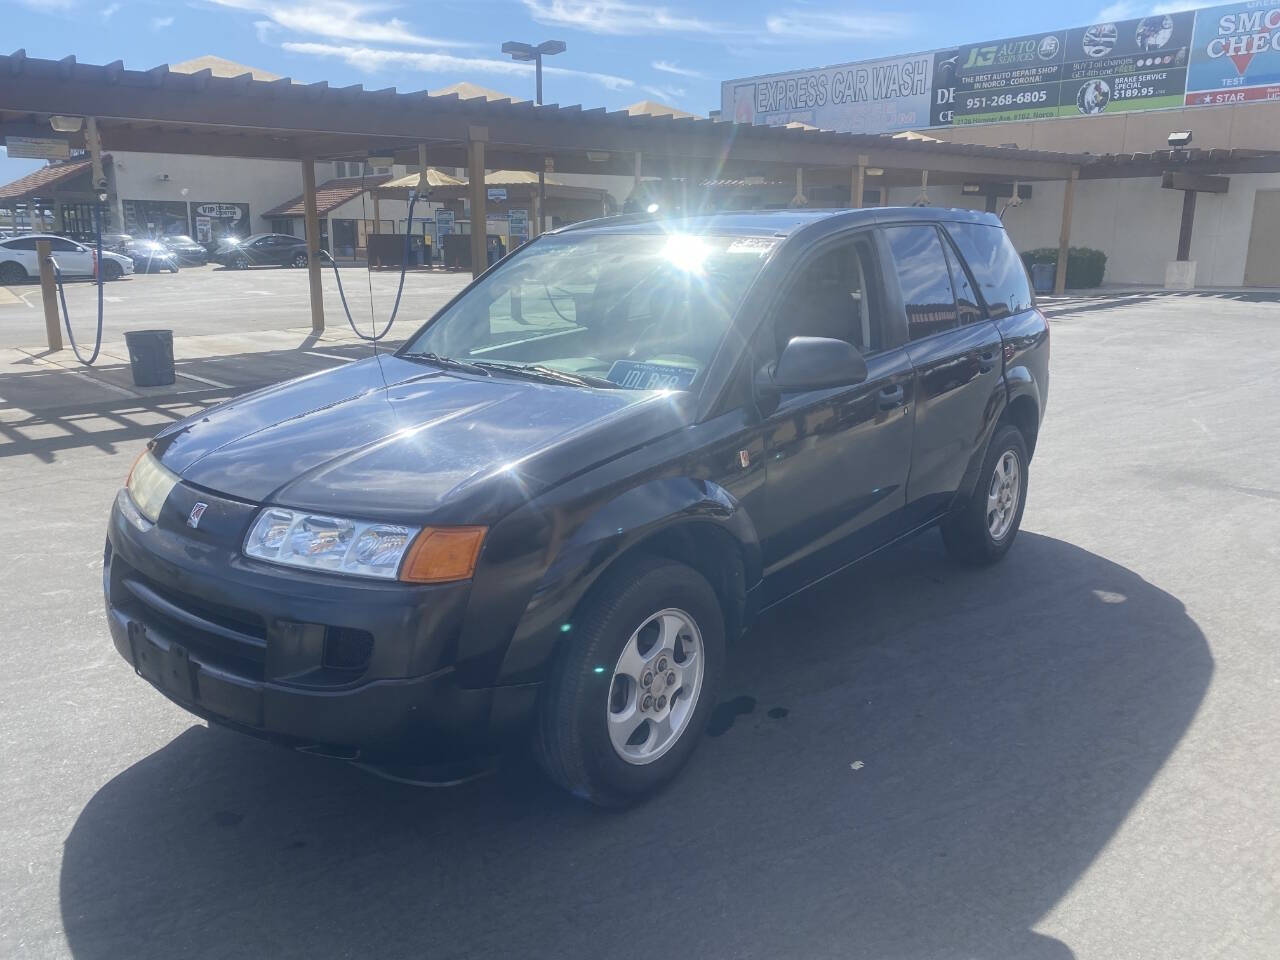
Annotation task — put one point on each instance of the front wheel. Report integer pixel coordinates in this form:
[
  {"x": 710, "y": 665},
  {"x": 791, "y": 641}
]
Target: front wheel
[
  {"x": 299, "y": 260},
  {"x": 240, "y": 263},
  {"x": 112, "y": 270},
  {"x": 634, "y": 686},
  {"x": 982, "y": 530}
]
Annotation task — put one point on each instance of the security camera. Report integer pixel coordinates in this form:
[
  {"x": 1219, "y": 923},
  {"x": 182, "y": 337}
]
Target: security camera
[{"x": 1180, "y": 139}]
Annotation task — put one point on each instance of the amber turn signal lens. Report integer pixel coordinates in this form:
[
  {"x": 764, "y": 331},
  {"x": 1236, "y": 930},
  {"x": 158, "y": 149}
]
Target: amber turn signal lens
[{"x": 440, "y": 554}]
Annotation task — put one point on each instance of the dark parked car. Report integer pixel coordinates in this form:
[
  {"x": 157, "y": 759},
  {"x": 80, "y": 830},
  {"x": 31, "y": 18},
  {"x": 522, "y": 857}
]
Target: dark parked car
[
  {"x": 262, "y": 250},
  {"x": 151, "y": 256},
  {"x": 187, "y": 250},
  {"x": 558, "y": 504}
]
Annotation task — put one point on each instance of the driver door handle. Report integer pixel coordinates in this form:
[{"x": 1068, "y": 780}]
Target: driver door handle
[{"x": 891, "y": 397}]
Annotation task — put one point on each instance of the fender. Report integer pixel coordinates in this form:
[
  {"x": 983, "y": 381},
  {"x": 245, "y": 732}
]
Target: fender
[{"x": 637, "y": 514}]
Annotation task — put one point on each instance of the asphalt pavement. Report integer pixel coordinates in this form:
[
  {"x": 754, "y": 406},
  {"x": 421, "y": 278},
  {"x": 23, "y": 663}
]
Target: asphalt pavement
[
  {"x": 214, "y": 300},
  {"x": 1072, "y": 754}
]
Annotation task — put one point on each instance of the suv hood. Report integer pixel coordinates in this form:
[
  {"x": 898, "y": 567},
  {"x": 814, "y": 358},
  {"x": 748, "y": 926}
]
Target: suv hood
[{"x": 393, "y": 439}]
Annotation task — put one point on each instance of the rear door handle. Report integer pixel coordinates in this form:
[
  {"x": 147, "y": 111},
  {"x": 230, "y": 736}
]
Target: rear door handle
[
  {"x": 891, "y": 397},
  {"x": 988, "y": 361}
]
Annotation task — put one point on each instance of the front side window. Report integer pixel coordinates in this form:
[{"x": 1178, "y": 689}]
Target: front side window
[
  {"x": 1001, "y": 277},
  {"x": 925, "y": 280},
  {"x": 641, "y": 311},
  {"x": 834, "y": 296}
]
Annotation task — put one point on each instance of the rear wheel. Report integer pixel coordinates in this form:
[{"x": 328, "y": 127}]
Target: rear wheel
[
  {"x": 240, "y": 263},
  {"x": 634, "y": 686},
  {"x": 112, "y": 270},
  {"x": 982, "y": 530},
  {"x": 299, "y": 259},
  {"x": 11, "y": 273}
]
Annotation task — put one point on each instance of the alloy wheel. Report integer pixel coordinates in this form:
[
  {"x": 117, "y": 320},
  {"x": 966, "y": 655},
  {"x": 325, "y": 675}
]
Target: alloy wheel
[
  {"x": 1003, "y": 494},
  {"x": 655, "y": 686}
]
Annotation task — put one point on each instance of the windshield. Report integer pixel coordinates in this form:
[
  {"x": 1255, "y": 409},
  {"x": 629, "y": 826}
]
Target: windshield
[{"x": 636, "y": 311}]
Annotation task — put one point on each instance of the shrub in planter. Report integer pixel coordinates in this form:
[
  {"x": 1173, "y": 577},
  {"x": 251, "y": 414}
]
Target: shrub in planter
[{"x": 1085, "y": 265}]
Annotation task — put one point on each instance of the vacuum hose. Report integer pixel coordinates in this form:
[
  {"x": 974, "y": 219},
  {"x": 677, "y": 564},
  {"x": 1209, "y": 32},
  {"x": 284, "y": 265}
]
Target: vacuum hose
[
  {"x": 404, "y": 266},
  {"x": 62, "y": 296}
]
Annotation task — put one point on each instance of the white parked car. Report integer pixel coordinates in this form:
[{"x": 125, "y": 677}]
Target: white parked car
[{"x": 18, "y": 261}]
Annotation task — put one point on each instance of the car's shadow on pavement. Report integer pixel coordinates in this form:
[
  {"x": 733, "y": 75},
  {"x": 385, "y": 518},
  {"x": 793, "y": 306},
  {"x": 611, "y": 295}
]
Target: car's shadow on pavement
[{"x": 915, "y": 760}]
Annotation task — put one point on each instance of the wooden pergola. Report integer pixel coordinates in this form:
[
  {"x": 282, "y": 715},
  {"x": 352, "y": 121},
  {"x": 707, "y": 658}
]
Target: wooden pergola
[{"x": 162, "y": 111}]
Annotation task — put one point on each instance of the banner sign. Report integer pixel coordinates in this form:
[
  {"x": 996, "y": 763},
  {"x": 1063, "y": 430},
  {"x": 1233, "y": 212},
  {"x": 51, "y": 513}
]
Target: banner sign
[
  {"x": 1223, "y": 54},
  {"x": 876, "y": 96},
  {"x": 1235, "y": 54}
]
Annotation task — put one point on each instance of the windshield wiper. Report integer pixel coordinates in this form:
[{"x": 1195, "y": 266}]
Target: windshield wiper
[
  {"x": 447, "y": 362},
  {"x": 536, "y": 371}
]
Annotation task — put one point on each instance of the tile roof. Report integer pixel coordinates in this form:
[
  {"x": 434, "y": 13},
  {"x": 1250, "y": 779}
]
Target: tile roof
[
  {"x": 34, "y": 183},
  {"x": 329, "y": 195}
]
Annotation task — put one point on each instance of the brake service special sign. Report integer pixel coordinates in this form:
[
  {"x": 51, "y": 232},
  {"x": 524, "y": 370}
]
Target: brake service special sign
[{"x": 1235, "y": 55}]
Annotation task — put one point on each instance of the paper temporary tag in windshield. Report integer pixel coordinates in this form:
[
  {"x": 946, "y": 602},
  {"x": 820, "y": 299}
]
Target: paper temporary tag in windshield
[
  {"x": 635, "y": 375},
  {"x": 757, "y": 245}
]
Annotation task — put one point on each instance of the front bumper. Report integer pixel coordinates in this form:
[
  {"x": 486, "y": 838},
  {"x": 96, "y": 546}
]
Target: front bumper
[{"x": 252, "y": 648}]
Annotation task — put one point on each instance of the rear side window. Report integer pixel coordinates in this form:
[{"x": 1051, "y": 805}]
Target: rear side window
[
  {"x": 924, "y": 278},
  {"x": 22, "y": 243},
  {"x": 996, "y": 266}
]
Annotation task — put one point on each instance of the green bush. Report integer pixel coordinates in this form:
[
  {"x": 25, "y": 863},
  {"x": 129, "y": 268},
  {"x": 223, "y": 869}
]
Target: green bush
[{"x": 1085, "y": 265}]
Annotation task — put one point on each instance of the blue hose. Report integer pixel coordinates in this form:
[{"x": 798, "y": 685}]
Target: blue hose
[
  {"x": 62, "y": 296},
  {"x": 404, "y": 266}
]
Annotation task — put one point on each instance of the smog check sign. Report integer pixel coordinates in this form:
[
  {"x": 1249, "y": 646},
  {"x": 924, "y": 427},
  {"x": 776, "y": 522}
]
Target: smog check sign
[{"x": 1235, "y": 54}]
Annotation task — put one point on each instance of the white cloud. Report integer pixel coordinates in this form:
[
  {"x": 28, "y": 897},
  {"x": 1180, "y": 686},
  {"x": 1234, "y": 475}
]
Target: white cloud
[
  {"x": 666, "y": 66},
  {"x": 161, "y": 23},
  {"x": 665, "y": 93},
  {"x": 617, "y": 17},
  {"x": 339, "y": 19},
  {"x": 796, "y": 24},
  {"x": 264, "y": 29},
  {"x": 110, "y": 10},
  {"x": 1120, "y": 10},
  {"x": 371, "y": 60}
]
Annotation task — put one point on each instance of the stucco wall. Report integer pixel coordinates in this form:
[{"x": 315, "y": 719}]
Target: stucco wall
[
  {"x": 262, "y": 184},
  {"x": 1135, "y": 222}
]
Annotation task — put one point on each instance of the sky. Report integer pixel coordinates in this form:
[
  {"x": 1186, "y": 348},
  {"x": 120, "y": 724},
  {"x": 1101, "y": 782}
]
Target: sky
[{"x": 619, "y": 51}]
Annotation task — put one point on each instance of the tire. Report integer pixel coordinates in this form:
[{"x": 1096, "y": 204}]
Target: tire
[
  {"x": 240, "y": 263},
  {"x": 300, "y": 260},
  {"x": 173, "y": 269},
  {"x": 112, "y": 270},
  {"x": 982, "y": 530},
  {"x": 12, "y": 272},
  {"x": 575, "y": 741}
]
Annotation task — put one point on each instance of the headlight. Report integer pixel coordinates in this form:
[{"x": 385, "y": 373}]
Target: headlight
[
  {"x": 149, "y": 484},
  {"x": 360, "y": 548}
]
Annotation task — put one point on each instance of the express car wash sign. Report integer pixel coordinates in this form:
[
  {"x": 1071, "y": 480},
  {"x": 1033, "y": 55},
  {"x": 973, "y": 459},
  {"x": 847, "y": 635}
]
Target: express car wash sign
[
  {"x": 874, "y": 96},
  {"x": 1235, "y": 54}
]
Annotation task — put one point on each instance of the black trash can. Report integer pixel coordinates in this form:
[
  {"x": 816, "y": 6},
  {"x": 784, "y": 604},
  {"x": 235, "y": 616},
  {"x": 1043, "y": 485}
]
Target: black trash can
[{"x": 150, "y": 357}]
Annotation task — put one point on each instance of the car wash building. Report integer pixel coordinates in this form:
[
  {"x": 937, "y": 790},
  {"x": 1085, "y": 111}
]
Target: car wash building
[{"x": 1185, "y": 103}]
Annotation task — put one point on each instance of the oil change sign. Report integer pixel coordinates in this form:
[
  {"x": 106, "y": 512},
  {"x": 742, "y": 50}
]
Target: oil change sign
[{"x": 1235, "y": 54}]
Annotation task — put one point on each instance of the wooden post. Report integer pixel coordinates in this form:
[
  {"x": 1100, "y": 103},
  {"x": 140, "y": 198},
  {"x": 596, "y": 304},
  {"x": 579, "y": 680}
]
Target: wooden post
[
  {"x": 479, "y": 224},
  {"x": 312, "y": 227},
  {"x": 1064, "y": 237},
  {"x": 49, "y": 294},
  {"x": 799, "y": 199},
  {"x": 859, "y": 183},
  {"x": 1188, "y": 220}
]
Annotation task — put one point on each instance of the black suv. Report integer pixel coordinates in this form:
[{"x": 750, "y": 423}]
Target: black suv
[
  {"x": 262, "y": 250},
  {"x": 557, "y": 505}
]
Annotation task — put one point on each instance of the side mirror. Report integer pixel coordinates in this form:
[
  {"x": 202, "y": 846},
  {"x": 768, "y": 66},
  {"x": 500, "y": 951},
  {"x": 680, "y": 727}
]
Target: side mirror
[{"x": 814, "y": 363}]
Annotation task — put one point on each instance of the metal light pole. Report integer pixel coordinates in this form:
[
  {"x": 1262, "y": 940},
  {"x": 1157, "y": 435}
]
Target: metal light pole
[{"x": 525, "y": 52}]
